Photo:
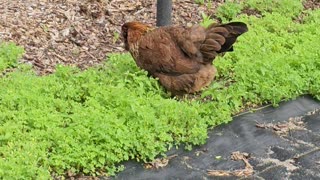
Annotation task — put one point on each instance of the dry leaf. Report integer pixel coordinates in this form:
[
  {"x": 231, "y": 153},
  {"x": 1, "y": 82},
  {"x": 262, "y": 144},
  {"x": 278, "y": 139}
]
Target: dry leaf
[
  {"x": 284, "y": 128},
  {"x": 247, "y": 171},
  {"x": 159, "y": 162}
]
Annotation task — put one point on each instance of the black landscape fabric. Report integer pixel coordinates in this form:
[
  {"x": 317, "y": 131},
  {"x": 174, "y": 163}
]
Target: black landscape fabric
[{"x": 271, "y": 143}]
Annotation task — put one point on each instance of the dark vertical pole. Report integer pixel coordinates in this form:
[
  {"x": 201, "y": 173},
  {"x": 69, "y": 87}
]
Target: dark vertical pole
[{"x": 164, "y": 10}]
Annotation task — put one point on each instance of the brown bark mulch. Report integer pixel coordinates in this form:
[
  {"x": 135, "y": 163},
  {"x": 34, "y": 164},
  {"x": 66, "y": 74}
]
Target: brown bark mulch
[
  {"x": 79, "y": 33},
  {"x": 82, "y": 33}
]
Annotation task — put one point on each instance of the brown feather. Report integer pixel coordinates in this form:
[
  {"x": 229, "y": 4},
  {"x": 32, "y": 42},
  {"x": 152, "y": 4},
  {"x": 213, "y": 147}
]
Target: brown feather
[{"x": 180, "y": 57}]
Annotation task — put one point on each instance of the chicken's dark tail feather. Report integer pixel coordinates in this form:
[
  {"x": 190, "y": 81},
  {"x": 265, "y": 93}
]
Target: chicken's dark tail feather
[{"x": 220, "y": 39}]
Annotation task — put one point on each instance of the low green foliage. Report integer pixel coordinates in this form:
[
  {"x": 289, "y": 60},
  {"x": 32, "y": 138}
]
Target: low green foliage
[
  {"x": 116, "y": 37},
  {"x": 275, "y": 60},
  {"x": 90, "y": 121},
  {"x": 9, "y": 54},
  {"x": 287, "y": 8},
  {"x": 206, "y": 20},
  {"x": 229, "y": 10},
  {"x": 201, "y": 2},
  {"x": 208, "y": 3}
]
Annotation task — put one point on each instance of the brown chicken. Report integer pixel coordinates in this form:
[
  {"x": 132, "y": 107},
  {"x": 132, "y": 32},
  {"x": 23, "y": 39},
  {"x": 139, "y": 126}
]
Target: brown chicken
[{"x": 180, "y": 57}]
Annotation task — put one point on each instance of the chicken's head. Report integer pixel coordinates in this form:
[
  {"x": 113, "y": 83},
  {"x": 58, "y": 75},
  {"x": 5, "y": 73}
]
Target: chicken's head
[{"x": 132, "y": 31}]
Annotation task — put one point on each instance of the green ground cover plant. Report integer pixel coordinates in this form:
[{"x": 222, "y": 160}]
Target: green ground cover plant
[
  {"x": 9, "y": 53},
  {"x": 90, "y": 121}
]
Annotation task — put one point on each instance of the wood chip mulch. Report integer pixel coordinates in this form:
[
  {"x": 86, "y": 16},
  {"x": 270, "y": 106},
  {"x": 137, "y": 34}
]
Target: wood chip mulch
[{"x": 80, "y": 33}]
